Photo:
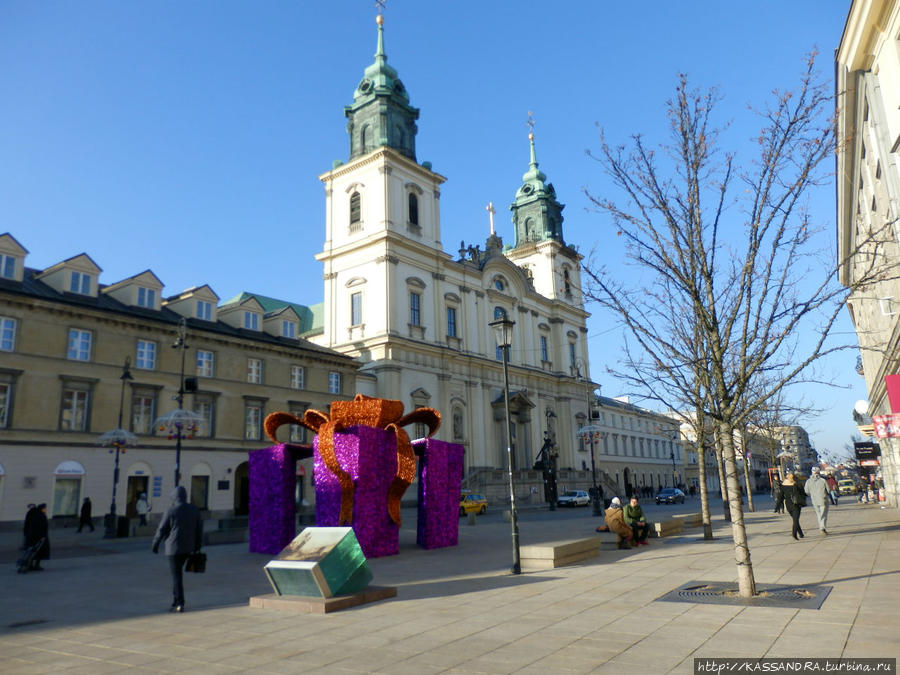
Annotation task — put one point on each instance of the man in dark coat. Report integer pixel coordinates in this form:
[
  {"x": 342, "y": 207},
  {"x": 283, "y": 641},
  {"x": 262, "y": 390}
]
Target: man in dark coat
[
  {"x": 181, "y": 528},
  {"x": 85, "y": 518},
  {"x": 37, "y": 529}
]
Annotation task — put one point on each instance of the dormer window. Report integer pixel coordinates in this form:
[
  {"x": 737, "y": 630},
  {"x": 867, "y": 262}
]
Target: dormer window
[
  {"x": 288, "y": 329},
  {"x": 7, "y": 266},
  {"x": 251, "y": 320},
  {"x": 146, "y": 297},
  {"x": 204, "y": 310},
  {"x": 80, "y": 283}
]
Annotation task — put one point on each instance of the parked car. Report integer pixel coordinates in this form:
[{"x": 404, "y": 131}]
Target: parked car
[
  {"x": 574, "y": 498},
  {"x": 469, "y": 503},
  {"x": 670, "y": 496},
  {"x": 846, "y": 486}
]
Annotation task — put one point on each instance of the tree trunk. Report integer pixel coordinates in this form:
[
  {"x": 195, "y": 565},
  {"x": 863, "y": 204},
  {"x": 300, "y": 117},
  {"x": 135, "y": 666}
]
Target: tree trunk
[
  {"x": 723, "y": 487},
  {"x": 704, "y": 494},
  {"x": 746, "y": 582},
  {"x": 747, "y": 485}
]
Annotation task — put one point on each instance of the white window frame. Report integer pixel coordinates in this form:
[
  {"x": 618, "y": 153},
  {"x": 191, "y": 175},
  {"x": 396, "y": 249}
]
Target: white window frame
[
  {"x": 204, "y": 310},
  {"x": 206, "y": 363},
  {"x": 298, "y": 377},
  {"x": 6, "y": 394},
  {"x": 288, "y": 329},
  {"x": 7, "y": 334},
  {"x": 143, "y": 409},
  {"x": 356, "y": 308},
  {"x": 254, "y": 371},
  {"x": 145, "y": 356},
  {"x": 253, "y": 420},
  {"x": 80, "y": 283},
  {"x": 80, "y": 405},
  {"x": 415, "y": 308},
  {"x": 206, "y": 409},
  {"x": 251, "y": 320},
  {"x": 334, "y": 382},
  {"x": 77, "y": 349},
  {"x": 146, "y": 297},
  {"x": 452, "y": 326},
  {"x": 8, "y": 265}
]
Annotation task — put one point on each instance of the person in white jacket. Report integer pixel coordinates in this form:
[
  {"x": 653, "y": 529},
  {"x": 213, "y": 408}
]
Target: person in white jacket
[
  {"x": 817, "y": 489},
  {"x": 143, "y": 508}
]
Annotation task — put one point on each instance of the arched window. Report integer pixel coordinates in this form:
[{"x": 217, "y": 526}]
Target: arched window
[
  {"x": 529, "y": 229},
  {"x": 413, "y": 209},
  {"x": 363, "y": 138},
  {"x": 355, "y": 211},
  {"x": 567, "y": 284}
]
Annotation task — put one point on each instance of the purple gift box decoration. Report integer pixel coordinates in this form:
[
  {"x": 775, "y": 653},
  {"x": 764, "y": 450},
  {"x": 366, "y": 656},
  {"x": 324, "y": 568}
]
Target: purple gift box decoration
[{"x": 369, "y": 455}]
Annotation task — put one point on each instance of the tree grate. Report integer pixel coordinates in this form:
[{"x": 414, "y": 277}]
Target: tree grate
[{"x": 801, "y": 596}]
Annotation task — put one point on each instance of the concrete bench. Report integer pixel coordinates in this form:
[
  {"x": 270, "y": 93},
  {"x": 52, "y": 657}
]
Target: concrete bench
[
  {"x": 549, "y": 555},
  {"x": 690, "y": 519},
  {"x": 665, "y": 528}
]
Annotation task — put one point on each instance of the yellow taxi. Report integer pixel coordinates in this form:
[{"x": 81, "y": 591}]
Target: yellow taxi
[{"x": 469, "y": 503}]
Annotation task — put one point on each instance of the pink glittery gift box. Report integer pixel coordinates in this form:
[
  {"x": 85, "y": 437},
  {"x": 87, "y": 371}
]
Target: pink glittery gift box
[{"x": 369, "y": 455}]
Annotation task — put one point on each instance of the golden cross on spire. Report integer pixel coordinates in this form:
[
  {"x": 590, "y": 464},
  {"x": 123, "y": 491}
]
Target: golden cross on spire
[
  {"x": 530, "y": 124},
  {"x": 491, "y": 211},
  {"x": 380, "y": 5}
]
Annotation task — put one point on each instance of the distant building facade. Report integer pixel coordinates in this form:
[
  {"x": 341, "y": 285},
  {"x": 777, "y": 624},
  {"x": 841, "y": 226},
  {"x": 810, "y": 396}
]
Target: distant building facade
[{"x": 64, "y": 341}]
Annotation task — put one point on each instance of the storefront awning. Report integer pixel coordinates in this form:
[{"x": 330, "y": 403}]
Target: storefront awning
[{"x": 69, "y": 468}]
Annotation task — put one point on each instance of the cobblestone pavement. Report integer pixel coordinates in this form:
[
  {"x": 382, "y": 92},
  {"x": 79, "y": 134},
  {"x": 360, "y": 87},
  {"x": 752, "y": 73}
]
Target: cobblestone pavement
[{"x": 100, "y": 606}]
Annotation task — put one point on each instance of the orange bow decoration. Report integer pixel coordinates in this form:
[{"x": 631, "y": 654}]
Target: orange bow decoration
[{"x": 381, "y": 413}]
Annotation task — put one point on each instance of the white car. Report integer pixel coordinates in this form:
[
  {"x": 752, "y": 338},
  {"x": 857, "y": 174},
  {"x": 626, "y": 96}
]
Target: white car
[{"x": 574, "y": 498}]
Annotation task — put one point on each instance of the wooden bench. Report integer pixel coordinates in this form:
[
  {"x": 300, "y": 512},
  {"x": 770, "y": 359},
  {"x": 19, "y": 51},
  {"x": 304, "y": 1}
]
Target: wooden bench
[
  {"x": 549, "y": 555},
  {"x": 690, "y": 519},
  {"x": 665, "y": 528}
]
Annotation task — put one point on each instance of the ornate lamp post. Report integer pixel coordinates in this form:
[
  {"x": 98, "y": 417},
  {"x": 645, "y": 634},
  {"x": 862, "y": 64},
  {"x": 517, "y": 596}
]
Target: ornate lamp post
[
  {"x": 179, "y": 423},
  {"x": 503, "y": 329},
  {"x": 588, "y": 432},
  {"x": 118, "y": 439}
]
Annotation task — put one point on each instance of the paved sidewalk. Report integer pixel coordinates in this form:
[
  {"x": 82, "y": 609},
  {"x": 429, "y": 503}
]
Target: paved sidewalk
[{"x": 99, "y": 606}]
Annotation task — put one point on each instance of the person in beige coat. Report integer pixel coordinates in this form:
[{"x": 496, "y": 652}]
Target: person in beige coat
[{"x": 615, "y": 521}]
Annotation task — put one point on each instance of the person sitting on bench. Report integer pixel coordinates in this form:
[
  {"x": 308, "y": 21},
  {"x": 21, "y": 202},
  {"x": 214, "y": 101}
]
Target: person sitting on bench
[
  {"x": 615, "y": 521},
  {"x": 634, "y": 518}
]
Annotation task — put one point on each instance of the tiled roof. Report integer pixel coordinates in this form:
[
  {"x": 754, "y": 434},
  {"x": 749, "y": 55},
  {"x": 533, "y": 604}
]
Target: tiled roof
[{"x": 30, "y": 286}]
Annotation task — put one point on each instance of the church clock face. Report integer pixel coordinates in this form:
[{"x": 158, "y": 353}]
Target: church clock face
[
  {"x": 526, "y": 189},
  {"x": 365, "y": 85}
]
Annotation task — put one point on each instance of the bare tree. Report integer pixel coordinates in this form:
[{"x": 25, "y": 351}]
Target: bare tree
[{"x": 731, "y": 249}]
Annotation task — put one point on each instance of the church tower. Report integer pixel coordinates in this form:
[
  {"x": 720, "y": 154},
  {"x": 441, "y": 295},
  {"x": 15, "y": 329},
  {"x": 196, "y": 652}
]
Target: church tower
[
  {"x": 540, "y": 249},
  {"x": 382, "y": 216},
  {"x": 380, "y": 114}
]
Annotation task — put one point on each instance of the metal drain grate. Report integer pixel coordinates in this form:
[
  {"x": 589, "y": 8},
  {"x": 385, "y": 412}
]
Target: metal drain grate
[{"x": 768, "y": 595}]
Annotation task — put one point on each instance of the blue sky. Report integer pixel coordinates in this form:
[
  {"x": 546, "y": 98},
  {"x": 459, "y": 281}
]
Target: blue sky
[{"x": 187, "y": 137}]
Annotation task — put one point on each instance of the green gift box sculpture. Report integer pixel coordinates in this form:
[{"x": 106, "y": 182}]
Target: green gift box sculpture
[{"x": 321, "y": 562}]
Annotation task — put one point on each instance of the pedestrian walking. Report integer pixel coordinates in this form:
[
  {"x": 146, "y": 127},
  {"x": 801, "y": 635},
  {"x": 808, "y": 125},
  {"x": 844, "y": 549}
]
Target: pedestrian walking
[
  {"x": 181, "y": 529},
  {"x": 85, "y": 518},
  {"x": 37, "y": 531},
  {"x": 778, "y": 495},
  {"x": 143, "y": 508},
  {"x": 817, "y": 490},
  {"x": 794, "y": 500},
  {"x": 832, "y": 488}
]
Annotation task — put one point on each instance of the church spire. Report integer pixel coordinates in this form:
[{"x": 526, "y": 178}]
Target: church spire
[
  {"x": 380, "y": 114},
  {"x": 537, "y": 215}
]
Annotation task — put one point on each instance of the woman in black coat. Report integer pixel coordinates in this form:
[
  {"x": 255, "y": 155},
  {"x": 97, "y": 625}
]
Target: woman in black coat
[
  {"x": 778, "y": 495},
  {"x": 37, "y": 528},
  {"x": 794, "y": 500}
]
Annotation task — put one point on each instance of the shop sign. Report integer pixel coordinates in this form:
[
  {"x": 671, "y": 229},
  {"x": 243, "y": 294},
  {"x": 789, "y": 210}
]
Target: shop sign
[
  {"x": 887, "y": 426},
  {"x": 69, "y": 468}
]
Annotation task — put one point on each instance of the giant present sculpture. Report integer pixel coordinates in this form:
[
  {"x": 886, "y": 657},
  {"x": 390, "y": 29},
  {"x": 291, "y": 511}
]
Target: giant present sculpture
[{"x": 364, "y": 462}]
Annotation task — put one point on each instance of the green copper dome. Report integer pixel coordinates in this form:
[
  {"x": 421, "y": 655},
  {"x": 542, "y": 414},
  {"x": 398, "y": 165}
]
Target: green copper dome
[
  {"x": 380, "y": 114},
  {"x": 536, "y": 213}
]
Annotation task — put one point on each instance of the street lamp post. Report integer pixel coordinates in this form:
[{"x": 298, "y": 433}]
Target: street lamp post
[
  {"x": 118, "y": 439},
  {"x": 503, "y": 332},
  {"x": 588, "y": 431},
  {"x": 180, "y": 343}
]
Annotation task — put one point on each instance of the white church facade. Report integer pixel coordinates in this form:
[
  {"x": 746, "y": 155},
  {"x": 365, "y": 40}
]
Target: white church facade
[{"x": 417, "y": 317}]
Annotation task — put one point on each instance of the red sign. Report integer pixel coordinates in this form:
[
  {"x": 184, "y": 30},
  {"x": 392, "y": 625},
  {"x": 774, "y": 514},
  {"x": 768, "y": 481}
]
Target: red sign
[
  {"x": 887, "y": 426},
  {"x": 869, "y": 462},
  {"x": 892, "y": 384}
]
